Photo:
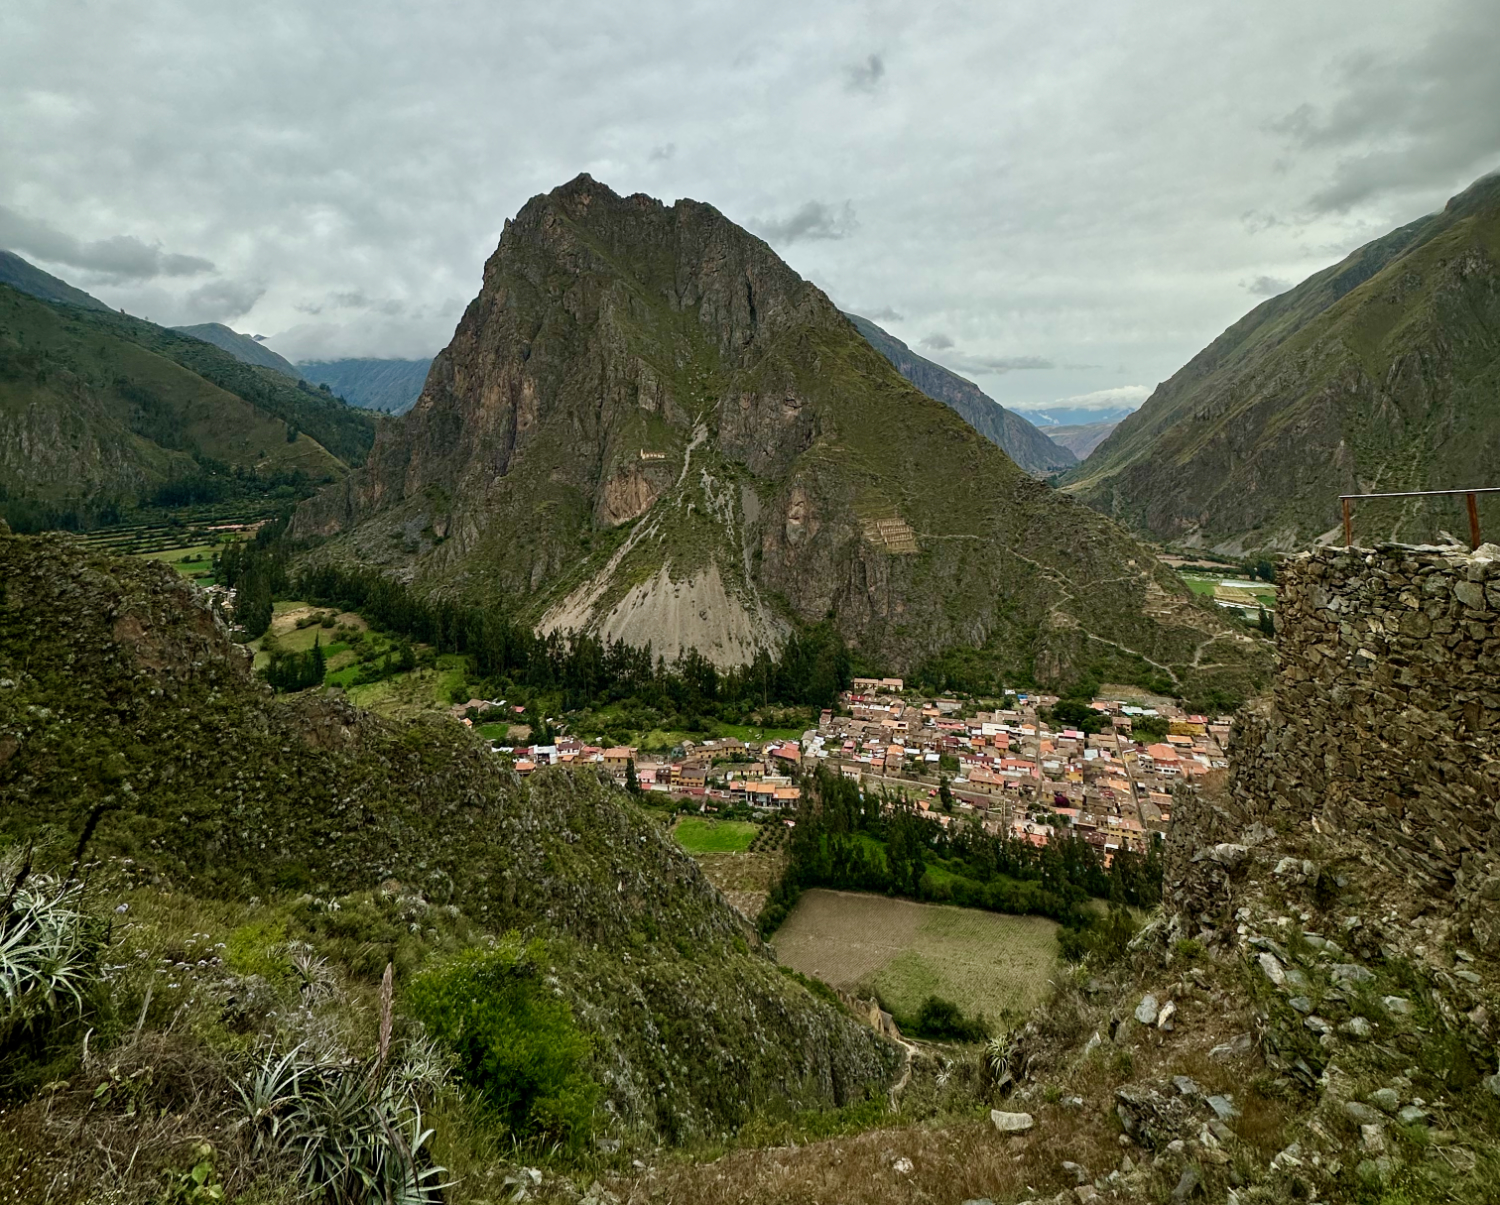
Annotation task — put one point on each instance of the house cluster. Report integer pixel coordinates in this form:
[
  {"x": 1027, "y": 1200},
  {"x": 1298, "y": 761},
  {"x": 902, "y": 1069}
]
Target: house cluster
[
  {"x": 1013, "y": 771},
  {"x": 727, "y": 770},
  {"x": 1009, "y": 769}
]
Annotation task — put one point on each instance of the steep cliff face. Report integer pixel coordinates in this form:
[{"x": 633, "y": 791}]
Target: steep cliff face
[
  {"x": 1011, "y": 433},
  {"x": 1376, "y": 375},
  {"x": 647, "y": 424}
]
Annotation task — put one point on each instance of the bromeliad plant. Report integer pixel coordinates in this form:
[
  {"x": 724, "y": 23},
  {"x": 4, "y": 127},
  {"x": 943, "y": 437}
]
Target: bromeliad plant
[
  {"x": 47, "y": 945},
  {"x": 353, "y": 1126}
]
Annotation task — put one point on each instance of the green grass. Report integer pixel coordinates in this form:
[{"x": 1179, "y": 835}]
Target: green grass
[
  {"x": 699, "y": 836},
  {"x": 748, "y": 732},
  {"x": 985, "y": 962}
]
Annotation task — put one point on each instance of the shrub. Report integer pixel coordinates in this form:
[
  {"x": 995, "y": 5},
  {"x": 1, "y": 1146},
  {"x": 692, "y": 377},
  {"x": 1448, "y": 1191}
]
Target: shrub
[
  {"x": 1103, "y": 940},
  {"x": 943, "y": 1021},
  {"x": 515, "y": 1042}
]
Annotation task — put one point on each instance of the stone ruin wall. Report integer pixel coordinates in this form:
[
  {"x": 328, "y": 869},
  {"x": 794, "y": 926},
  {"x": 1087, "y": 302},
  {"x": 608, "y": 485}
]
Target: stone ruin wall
[{"x": 1381, "y": 731}]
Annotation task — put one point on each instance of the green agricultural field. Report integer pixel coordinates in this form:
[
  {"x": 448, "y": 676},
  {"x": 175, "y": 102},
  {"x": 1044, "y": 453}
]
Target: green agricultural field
[
  {"x": 984, "y": 962},
  {"x": 700, "y": 836}
]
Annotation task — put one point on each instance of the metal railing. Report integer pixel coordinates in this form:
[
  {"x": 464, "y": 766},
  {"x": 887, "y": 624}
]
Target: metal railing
[{"x": 1469, "y": 496}]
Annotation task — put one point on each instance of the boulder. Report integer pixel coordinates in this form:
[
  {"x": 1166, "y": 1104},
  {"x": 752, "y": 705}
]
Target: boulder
[
  {"x": 1012, "y": 1123},
  {"x": 1146, "y": 1010}
]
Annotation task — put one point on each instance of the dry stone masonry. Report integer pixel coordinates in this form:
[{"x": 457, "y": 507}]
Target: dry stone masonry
[{"x": 1383, "y": 726}]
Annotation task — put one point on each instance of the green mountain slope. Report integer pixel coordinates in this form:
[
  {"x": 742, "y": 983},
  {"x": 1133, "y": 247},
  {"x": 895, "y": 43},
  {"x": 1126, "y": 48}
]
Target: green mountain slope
[
  {"x": 1377, "y": 374},
  {"x": 649, "y": 426},
  {"x": 1021, "y": 441},
  {"x": 125, "y": 707},
  {"x": 18, "y": 274},
  {"x": 390, "y": 386},
  {"x": 89, "y": 417},
  {"x": 241, "y": 347}
]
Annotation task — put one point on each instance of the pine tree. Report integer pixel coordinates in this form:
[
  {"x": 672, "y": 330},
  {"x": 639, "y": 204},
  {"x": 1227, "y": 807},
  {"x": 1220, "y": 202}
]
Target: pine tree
[
  {"x": 632, "y": 784},
  {"x": 945, "y": 795}
]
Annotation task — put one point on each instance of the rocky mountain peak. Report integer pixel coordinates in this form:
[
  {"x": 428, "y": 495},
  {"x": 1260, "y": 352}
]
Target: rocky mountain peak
[{"x": 647, "y": 425}]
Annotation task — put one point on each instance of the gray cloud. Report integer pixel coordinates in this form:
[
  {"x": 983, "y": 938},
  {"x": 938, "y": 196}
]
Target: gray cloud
[
  {"x": 885, "y": 314},
  {"x": 353, "y": 299},
  {"x": 937, "y": 341},
  {"x": 119, "y": 258},
  {"x": 865, "y": 76},
  {"x": 1409, "y": 117},
  {"x": 223, "y": 300},
  {"x": 1013, "y": 197},
  {"x": 1003, "y": 364},
  {"x": 814, "y": 220},
  {"x": 1266, "y": 286}
]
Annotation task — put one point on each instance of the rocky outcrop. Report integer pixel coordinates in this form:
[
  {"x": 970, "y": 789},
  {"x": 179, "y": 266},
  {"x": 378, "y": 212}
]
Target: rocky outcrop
[{"x": 645, "y": 410}]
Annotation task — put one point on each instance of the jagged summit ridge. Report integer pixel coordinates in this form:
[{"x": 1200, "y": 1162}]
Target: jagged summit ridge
[{"x": 647, "y": 424}]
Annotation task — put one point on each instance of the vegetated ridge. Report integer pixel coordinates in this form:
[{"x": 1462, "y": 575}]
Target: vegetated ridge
[
  {"x": 648, "y": 426},
  {"x": 1081, "y": 439},
  {"x": 241, "y": 347},
  {"x": 1022, "y": 442},
  {"x": 390, "y": 386},
  {"x": 90, "y": 416},
  {"x": 28, "y": 278},
  {"x": 138, "y": 721},
  {"x": 1378, "y": 374}
]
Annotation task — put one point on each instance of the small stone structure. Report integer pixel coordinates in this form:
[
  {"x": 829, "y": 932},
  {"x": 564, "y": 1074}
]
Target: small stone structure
[{"x": 1382, "y": 729}]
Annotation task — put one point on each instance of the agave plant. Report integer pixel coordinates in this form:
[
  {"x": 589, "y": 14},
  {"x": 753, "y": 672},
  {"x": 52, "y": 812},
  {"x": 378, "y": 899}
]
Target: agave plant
[
  {"x": 353, "y": 1126},
  {"x": 46, "y": 946}
]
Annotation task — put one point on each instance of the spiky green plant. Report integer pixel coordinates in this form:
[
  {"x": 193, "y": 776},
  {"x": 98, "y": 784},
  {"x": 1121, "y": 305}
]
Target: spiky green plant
[
  {"x": 47, "y": 945},
  {"x": 353, "y": 1126}
]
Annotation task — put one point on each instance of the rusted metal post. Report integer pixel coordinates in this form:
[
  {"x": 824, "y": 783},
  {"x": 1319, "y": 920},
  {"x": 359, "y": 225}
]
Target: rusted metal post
[
  {"x": 1348, "y": 526},
  {"x": 1473, "y": 521}
]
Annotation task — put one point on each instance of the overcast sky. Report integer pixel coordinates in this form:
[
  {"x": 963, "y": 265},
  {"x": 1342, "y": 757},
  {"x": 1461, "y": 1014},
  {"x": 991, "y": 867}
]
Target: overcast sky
[{"x": 1057, "y": 198}]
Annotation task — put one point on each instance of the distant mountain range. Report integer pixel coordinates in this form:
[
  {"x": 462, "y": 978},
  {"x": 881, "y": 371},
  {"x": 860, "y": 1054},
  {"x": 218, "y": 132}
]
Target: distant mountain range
[
  {"x": 1379, "y": 374},
  {"x": 1074, "y": 416},
  {"x": 1082, "y": 439},
  {"x": 390, "y": 386},
  {"x": 101, "y": 412},
  {"x": 1004, "y": 428},
  {"x": 241, "y": 347}
]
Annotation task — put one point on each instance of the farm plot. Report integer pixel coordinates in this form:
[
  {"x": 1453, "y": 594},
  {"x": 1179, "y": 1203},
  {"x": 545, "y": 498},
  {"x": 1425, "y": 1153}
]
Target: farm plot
[
  {"x": 700, "y": 836},
  {"x": 984, "y": 962}
]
